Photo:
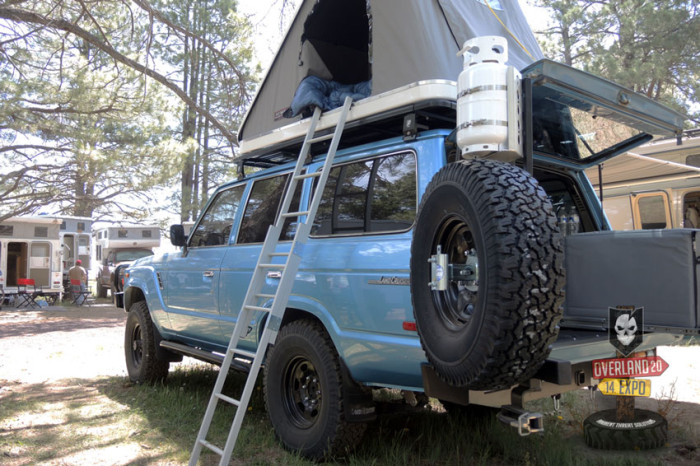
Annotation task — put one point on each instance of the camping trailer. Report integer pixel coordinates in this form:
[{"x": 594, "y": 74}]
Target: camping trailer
[
  {"x": 657, "y": 186},
  {"x": 118, "y": 246},
  {"x": 30, "y": 247},
  {"x": 76, "y": 243}
]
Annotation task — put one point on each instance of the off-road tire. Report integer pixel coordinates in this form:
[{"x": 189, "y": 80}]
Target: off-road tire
[
  {"x": 647, "y": 430},
  {"x": 495, "y": 331},
  {"x": 142, "y": 362},
  {"x": 304, "y": 393}
]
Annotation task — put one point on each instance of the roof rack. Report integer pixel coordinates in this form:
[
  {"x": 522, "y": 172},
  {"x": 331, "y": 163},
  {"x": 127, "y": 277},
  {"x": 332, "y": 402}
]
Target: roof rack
[{"x": 372, "y": 119}]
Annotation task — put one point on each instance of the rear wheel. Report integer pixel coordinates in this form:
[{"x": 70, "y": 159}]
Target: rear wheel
[
  {"x": 304, "y": 393},
  {"x": 142, "y": 362},
  {"x": 492, "y": 326}
]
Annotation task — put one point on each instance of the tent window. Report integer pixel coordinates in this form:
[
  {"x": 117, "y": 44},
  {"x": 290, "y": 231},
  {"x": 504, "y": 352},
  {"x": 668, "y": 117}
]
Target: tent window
[{"x": 335, "y": 44}]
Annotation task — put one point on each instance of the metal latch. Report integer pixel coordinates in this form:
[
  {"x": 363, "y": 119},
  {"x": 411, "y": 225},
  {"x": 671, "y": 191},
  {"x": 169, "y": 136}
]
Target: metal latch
[{"x": 438, "y": 271}]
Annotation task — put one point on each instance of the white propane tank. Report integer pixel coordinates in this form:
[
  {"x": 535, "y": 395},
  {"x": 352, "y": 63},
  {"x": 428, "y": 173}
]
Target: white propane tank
[{"x": 488, "y": 104}]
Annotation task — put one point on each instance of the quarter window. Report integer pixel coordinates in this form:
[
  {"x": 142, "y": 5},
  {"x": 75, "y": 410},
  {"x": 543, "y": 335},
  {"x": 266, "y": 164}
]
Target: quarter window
[
  {"x": 370, "y": 196},
  {"x": 215, "y": 226}
]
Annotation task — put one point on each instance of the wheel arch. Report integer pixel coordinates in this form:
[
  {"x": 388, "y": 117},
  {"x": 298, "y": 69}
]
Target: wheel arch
[
  {"x": 133, "y": 295},
  {"x": 325, "y": 321}
]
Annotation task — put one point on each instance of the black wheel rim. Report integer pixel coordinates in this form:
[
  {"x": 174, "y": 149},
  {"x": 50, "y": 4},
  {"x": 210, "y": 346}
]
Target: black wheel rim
[
  {"x": 136, "y": 346},
  {"x": 456, "y": 306},
  {"x": 302, "y": 392}
]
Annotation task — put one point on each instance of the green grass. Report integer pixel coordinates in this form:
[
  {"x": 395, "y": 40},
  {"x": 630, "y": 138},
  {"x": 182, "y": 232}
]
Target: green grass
[{"x": 162, "y": 421}]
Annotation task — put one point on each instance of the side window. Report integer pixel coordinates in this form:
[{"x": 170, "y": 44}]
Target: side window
[
  {"x": 393, "y": 199},
  {"x": 691, "y": 210},
  {"x": 651, "y": 211},
  {"x": 215, "y": 226},
  {"x": 262, "y": 208},
  {"x": 369, "y": 196}
]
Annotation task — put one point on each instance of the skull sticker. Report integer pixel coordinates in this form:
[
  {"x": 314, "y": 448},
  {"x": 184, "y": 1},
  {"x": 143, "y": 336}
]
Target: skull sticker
[
  {"x": 626, "y": 331},
  {"x": 625, "y": 327}
]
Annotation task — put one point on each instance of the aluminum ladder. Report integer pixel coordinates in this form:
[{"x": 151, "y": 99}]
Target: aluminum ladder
[{"x": 279, "y": 300}]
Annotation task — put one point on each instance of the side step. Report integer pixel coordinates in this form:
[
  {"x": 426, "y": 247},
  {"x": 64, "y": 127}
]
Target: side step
[{"x": 207, "y": 356}]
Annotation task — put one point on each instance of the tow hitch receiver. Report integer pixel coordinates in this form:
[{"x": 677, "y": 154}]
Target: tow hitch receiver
[{"x": 525, "y": 422}]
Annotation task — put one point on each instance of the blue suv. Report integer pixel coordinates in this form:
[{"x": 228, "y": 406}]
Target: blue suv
[{"x": 424, "y": 271}]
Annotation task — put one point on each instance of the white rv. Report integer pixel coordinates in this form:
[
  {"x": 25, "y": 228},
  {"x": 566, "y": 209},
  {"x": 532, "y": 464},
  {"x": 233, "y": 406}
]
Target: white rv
[
  {"x": 30, "y": 247},
  {"x": 655, "y": 187},
  {"x": 76, "y": 242},
  {"x": 118, "y": 246}
]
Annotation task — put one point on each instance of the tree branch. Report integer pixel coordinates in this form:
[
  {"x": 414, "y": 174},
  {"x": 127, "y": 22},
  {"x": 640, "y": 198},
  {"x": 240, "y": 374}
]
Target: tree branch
[{"x": 21, "y": 16}]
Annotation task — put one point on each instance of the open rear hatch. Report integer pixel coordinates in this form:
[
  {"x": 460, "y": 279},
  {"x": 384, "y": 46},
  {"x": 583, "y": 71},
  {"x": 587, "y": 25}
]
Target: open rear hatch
[{"x": 585, "y": 120}]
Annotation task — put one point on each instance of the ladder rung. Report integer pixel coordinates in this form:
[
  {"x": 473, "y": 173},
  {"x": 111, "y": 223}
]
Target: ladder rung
[
  {"x": 212, "y": 447},
  {"x": 308, "y": 175},
  {"x": 295, "y": 214},
  {"x": 325, "y": 137},
  {"x": 279, "y": 254},
  {"x": 265, "y": 295},
  {"x": 257, "y": 308},
  {"x": 272, "y": 266},
  {"x": 228, "y": 399},
  {"x": 248, "y": 354}
]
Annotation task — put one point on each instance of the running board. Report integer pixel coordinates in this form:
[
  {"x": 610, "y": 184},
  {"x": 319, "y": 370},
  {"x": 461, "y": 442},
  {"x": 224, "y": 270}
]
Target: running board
[{"x": 206, "y": 356}]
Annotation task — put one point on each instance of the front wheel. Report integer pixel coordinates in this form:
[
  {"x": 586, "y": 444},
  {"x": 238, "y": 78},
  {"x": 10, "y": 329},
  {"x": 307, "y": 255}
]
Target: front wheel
[
  {"x": 491, "y": 226},
  {"x": 142, "y": 362},
  {"x": 304, "y": 393}
]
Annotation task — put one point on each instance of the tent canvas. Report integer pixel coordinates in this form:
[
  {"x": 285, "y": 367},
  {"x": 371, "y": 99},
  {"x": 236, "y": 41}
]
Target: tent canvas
[{"x": 386, "y": 43}]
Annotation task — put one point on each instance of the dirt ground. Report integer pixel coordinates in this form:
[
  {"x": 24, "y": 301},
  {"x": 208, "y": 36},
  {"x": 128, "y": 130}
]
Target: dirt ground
[{"x": 53, "y": 347}]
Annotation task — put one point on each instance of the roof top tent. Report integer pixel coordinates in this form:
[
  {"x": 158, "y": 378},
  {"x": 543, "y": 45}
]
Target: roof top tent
[{"x": 376, "y": 46}]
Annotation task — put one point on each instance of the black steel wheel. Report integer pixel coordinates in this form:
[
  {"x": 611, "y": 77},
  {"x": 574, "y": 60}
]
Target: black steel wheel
[
  {"x": 143, "y": 363},
  {"x": 646, "y": 431},
  {"x": 304, "y": 393},
  {"x": 493, "y": 324}
]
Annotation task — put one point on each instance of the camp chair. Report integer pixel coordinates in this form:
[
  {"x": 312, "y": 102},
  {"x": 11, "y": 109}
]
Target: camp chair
[
  {"x": 25, "y": 296},
  {"x": 80, "y": 295}
]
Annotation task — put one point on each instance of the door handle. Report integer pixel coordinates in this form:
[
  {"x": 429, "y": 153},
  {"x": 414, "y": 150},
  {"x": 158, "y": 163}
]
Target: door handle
[
  {"x": 274, "y": 274},
  {"x": 208, "y": 274}
]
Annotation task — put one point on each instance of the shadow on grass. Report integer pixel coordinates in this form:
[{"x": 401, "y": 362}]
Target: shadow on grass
[
  {"x": 86, "y": 421},
  {"x": 72, "y": 423}
]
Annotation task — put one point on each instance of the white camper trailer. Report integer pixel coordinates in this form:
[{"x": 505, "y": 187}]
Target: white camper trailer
[
  {"x": 76, "y": 243},
  {"x": 118, "y": 246},
  {"x": 30, "y": 248},
  {"x": 657, "y": 186}
]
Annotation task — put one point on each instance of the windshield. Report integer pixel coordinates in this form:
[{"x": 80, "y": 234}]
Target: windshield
[{"x": 131, "y": 254}]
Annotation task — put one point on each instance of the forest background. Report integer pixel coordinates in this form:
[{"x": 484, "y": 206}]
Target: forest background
[{"x": 127, "y": 110}]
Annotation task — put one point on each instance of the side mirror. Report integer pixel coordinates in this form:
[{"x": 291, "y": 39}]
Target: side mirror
[{"x": 177, "y": 235}]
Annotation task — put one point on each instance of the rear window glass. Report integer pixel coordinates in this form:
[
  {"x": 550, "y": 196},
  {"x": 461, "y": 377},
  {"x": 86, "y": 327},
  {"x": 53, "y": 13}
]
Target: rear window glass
[{"x": 369, "y": 196}]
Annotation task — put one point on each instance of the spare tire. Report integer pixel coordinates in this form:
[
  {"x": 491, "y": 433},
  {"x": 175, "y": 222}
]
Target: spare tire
[{"x": 493, "y": 325}]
